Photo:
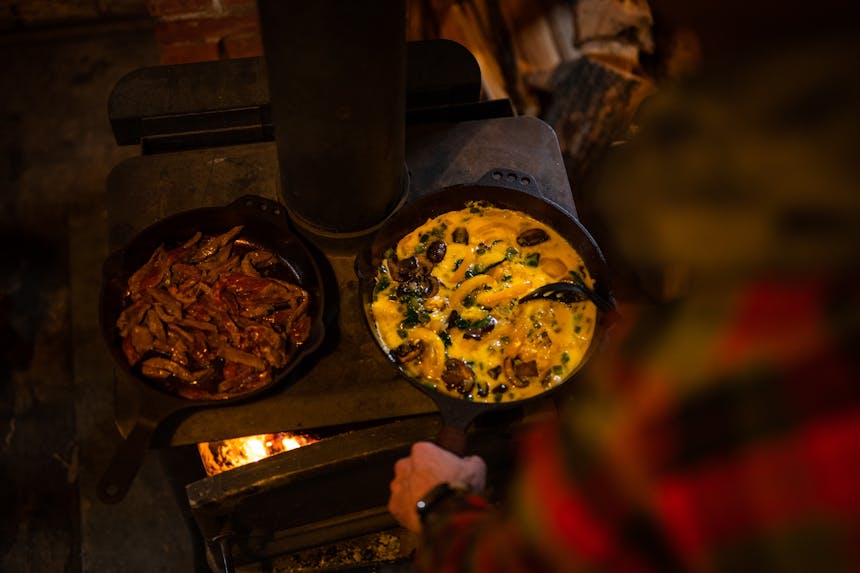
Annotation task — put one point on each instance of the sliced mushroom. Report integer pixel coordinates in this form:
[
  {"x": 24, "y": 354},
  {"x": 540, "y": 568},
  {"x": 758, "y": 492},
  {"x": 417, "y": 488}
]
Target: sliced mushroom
[
  {"x": 436, "y": 251},
  {"x": 531, "y": 237},
  {"x": 421, "y": 286},
  {"x": 408, "y": 351},
  {"x": 518, "y": 372},
  {"x": 525, "y": 369},
  {"x": 409, "y": 287},
  {"x": 546, "y": 379},
  {"x": 460, "y": 235},
  {"x": 407, "y": 268},
  {"x": 391, "y": 262},
  {"x": 478, "y": 333},
  {"x": 458, "y": 375},
  {"x": 453, "y": 318},
  {"x": 431, "y": 285},
  {"x": 410, "y": 268},
  {"x": 483, "y": 389},
  {"x": 465, "y": 387}
]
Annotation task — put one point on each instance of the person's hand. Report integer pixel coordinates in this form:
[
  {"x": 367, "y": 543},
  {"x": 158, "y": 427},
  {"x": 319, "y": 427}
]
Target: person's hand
[{"x": 427, "y": 466}]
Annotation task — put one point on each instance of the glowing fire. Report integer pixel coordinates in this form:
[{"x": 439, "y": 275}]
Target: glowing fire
[{"x": 225, "y": 455}]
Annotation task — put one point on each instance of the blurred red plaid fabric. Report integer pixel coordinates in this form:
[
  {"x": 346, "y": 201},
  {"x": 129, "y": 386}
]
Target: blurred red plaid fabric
[{"x": 749, "y": 464}]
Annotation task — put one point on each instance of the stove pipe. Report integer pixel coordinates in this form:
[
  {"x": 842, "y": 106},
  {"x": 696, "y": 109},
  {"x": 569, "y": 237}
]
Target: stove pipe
[{"x": 336, "y": 71}]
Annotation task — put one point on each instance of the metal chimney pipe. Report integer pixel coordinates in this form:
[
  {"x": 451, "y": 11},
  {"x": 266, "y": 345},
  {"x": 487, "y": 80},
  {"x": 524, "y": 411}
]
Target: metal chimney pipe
[{"x": 336, "y": 71}]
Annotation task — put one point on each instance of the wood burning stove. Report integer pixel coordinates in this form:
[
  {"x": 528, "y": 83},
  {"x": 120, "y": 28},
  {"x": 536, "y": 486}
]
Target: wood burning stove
[{"x": 206, "y": 133}]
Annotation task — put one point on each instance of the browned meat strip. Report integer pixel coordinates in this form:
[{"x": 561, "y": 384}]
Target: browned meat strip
[{"x": 202, "y": 318}]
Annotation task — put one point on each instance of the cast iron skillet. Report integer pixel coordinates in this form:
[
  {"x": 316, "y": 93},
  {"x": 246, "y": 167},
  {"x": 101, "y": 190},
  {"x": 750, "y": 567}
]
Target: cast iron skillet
[
  {"x": 505, "y": 189},
  {"x": 265, "y": 223}
]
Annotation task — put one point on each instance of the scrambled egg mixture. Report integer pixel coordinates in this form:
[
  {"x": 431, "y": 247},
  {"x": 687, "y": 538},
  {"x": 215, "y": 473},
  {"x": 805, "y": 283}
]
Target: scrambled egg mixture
[{"x": 445, "y": 305}]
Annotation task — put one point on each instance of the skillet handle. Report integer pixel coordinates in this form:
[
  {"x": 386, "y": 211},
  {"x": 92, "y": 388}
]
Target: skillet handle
[
  {"x": 452, "y": 439},
  {"x": 457, "y": 416},
  {"x": 127, "y": 459}
]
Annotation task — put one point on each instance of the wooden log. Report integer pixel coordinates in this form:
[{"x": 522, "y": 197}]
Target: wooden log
[
  {"x": 532, "y": 35},
  {"x": 614, "y": 31},
  {"x": 607, "y": 19},
  {"x": 464, "y": 23},
  {"x": 591, "y": 106},
  {"x": 561, "y": 21}
]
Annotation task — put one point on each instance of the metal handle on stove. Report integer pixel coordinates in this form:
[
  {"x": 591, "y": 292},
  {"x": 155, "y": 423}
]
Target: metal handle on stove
[
  {"x": 123, "y": 467},
  {"x": 224, "y": 547}
]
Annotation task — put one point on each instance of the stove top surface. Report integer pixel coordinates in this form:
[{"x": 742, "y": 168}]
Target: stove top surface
[{"x": 350, "y": 381}]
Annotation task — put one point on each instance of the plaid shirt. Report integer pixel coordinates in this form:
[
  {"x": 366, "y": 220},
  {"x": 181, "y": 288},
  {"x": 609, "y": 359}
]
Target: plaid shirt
[{"x": 719, "y": 434}]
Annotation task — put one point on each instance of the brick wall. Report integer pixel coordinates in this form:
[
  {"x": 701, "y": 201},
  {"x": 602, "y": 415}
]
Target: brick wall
[
  {"x": 201, "y": 30},
  {"x": 26, "y": 15}
]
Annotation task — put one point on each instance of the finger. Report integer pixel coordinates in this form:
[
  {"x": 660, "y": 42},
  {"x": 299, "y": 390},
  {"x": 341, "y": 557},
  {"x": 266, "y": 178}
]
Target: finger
[
  {"x": 420, "y": 449},
  {"x": 477, "y": 472},
  {"x": 402, "y": 467},
  {"x": 476, "y": 464}
]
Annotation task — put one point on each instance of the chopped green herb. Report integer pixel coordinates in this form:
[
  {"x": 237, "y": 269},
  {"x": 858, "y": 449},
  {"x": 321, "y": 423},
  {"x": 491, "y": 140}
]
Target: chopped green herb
[
  {"x": 446, "y": 338},
  {"x": 424, "y": 237},
  {"x": 510, "y": 253},
  {"x": 464, "y": 324},
  {"x": 577, "y": 329},
  {"x": 457, "y": 264},
  {"x": 414, "y": 317},
  {"x": 415, "y": 312},
  {"x": 402, "y": 333},
  {"x": 382, "y": 284},
  {"x": 557, "y": 369},
  {"x": 388, "y": 252},
  {"x": 532, "y": 259},
  {"x": 565, "y": 357}
]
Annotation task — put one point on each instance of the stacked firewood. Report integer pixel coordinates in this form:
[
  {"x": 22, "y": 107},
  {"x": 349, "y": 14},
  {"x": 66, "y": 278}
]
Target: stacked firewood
[
  {"x": 577, "y": 64},
  {"x": 583, "y": 66}
]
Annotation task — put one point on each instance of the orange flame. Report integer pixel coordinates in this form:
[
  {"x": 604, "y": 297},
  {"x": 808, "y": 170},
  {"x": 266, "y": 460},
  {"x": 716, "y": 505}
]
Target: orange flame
[{"x": 225, "y": 455}]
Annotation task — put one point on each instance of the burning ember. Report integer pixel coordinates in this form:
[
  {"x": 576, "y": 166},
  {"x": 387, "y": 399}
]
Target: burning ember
[{"x": 225, "y": 455}]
